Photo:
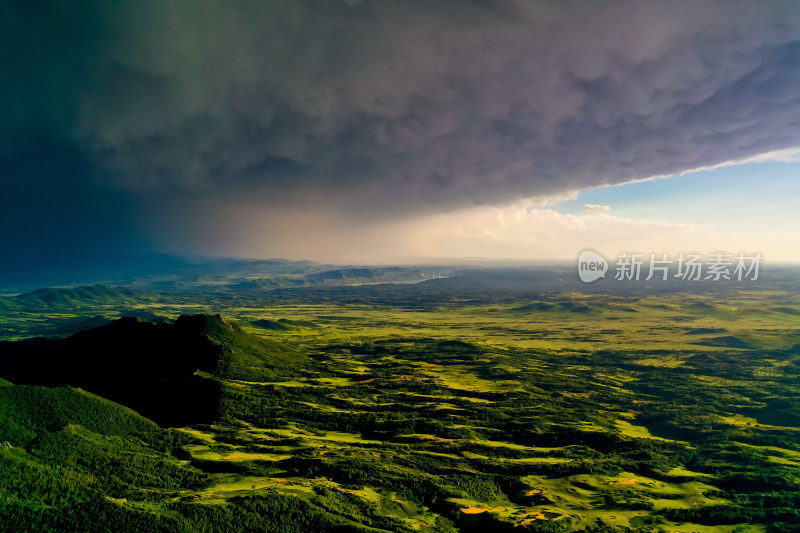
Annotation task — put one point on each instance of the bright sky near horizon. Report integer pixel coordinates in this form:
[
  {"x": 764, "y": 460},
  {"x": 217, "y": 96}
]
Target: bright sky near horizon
[{"x": 744, "y": 207}]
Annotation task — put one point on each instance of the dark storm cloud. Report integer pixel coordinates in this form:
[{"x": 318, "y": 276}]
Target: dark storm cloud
[{"x": 391, "y": 106}]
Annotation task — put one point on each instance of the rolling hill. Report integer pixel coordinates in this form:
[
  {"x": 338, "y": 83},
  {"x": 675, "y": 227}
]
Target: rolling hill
[
  {"x": 70, "y": 298},
  {"x": 167, "y": 371}
]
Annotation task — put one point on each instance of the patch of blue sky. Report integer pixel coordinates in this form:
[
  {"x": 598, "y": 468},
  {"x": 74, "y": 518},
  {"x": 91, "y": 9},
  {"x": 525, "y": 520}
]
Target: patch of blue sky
[{"x": 754, "y": 196}]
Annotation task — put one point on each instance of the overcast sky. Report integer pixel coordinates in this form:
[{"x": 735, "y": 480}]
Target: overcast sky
[{"x": 370, "y": 131}]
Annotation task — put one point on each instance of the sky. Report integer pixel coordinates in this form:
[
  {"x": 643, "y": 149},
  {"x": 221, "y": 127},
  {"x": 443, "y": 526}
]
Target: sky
[{"x": 381, "y": 131}]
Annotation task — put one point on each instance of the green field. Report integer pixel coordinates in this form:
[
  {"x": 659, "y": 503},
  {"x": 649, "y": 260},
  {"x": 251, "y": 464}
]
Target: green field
[{"x": 562, "y": 412}]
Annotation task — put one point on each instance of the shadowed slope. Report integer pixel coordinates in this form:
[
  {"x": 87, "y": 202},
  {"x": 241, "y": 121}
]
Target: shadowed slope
[{"x": 152, "y": 368}]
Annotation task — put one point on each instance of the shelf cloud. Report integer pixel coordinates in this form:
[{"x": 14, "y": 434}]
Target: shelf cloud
[{"x": 123, "y": 116}]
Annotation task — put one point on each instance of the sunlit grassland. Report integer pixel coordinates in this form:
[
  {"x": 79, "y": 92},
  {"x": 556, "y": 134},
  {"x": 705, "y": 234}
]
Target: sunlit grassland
[
  {"x": 677, "y": 323},
  {"x": 659, "y": 413}
]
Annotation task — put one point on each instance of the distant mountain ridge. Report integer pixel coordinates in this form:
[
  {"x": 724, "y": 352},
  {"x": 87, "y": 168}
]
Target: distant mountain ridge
[
  {"x": 52, "y": 298},
  {"x": 336, "y": 277},
  {"x": 116, "y": 269}
]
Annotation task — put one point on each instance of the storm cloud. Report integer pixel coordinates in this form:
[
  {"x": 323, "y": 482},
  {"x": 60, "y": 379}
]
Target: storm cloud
[{"x": 178, "y": 110}]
